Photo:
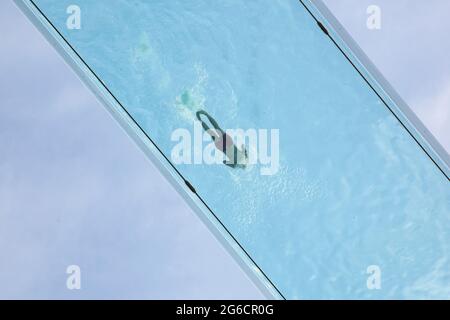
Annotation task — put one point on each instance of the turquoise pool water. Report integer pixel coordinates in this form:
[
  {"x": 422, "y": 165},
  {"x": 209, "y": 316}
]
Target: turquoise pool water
[{"x": 353, "y": 188}]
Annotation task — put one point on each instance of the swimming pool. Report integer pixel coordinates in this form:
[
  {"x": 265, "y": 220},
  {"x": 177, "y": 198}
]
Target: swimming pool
[{"x": 353, "y": 188}]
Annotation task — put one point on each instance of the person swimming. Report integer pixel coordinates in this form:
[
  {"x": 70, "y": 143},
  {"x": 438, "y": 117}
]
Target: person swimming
[{"x": 236, "y": 158}]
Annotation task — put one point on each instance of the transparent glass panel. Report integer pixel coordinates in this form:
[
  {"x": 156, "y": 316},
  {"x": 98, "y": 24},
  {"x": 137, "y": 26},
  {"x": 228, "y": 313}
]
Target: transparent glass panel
[{"x": 352, "y": 191}]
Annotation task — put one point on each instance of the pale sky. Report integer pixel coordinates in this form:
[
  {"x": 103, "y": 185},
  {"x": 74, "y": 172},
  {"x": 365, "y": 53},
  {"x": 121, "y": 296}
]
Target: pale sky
[
  {"x": 75, "y": 190},
  {"x": 411, "y": 50}
]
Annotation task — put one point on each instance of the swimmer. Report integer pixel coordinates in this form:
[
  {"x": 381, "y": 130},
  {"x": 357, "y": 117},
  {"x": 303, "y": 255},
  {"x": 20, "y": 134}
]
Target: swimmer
[{"x": 237, "y": 158}]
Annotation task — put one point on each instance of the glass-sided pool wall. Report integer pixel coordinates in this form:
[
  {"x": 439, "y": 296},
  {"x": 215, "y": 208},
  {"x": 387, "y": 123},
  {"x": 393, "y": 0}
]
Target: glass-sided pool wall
[{"x": 353, "y": 188}]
